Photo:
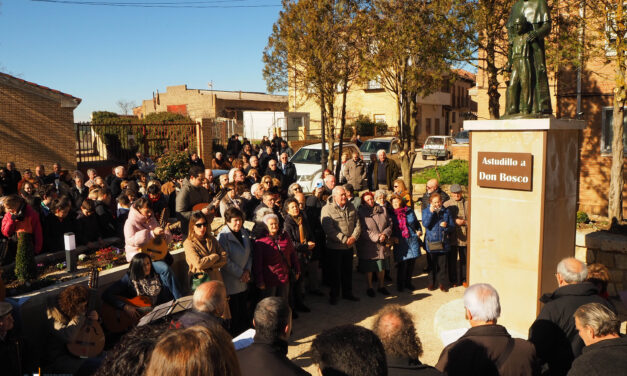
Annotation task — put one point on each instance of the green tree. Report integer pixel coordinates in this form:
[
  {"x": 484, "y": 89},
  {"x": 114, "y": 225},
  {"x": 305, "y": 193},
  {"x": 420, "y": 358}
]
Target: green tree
[{"x": 25, "y": 268}]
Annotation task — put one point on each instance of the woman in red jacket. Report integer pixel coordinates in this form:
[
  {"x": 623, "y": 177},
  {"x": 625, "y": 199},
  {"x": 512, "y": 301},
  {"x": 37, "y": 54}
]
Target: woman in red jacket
[
  {"x": 274, "y": 260},
  {"x": 21, "y": 217}
]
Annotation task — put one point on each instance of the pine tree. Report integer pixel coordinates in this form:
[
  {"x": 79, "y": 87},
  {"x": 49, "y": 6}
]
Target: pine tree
[{"x": 25, "y": 268}]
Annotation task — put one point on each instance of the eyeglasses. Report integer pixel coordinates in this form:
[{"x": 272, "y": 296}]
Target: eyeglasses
[
  {"x": 199, "y": 225},
  {"x": 396, "y": 186},
  {"x": 298, "y": 189}
]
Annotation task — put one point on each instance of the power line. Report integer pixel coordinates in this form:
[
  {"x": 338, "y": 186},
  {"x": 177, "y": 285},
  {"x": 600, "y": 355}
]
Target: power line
[{"x": 182, "y": 4}]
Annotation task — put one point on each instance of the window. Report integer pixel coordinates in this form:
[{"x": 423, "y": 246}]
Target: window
[
  {"x": 379, "y": 118},
  {"x": 429, "y": 130},
  {"x": 454, "y": 117},
  {"x": 606, "y": 131}
]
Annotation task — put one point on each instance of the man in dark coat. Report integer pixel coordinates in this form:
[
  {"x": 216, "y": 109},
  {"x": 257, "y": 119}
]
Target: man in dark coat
[
  {"x": 384, "y": 172},
  {"x": 234, "y": 145},
  {"x": 274, "y": 172},
  {"x": 192, "y": 193},
  {"x": 606, "y": 351},
  {"x": 486, "y": 348},
  {"x": 265, "y": 157},
  {"x": 208, "y": 305},
  {"x": 268, "y": 353},
  {"x": 554, "y": 333},
  {"x": 395, "y": 328},
  {"x": 13, "y": 177},
  {"x": 288, "y": 169}
]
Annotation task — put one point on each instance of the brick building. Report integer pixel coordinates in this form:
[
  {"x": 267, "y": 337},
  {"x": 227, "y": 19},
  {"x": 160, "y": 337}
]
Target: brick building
[
  {"x": 596, "y": 101},
  {"x": 211, "y": 104},
  {"x": 36, "y": 125},
  {"x": 437, "y": 114}
]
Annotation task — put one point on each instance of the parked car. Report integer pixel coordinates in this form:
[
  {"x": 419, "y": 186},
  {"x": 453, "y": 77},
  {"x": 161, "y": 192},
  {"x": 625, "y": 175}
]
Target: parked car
[
  {"x": 438, "y": 146},
  {"x": 391, "y": 145},
  {"x": 307, "y": 161},
  {"x": 462, "y": 137}
]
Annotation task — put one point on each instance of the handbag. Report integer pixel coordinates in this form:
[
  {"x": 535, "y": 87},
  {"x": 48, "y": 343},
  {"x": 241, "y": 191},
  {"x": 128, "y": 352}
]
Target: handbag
[
  {"x": 435, "y": 246},
  {"x": 198, "y": 279}
]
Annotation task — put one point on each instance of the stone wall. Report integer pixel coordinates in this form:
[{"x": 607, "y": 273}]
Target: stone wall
[{"x": 607, "y": 249}]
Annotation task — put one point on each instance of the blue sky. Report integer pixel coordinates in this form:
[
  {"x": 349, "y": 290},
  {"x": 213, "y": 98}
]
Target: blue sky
[{"x": 103, "y": 54}]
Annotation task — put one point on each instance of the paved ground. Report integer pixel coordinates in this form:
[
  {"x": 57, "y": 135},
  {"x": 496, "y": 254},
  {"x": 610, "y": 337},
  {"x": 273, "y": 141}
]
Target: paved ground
[{"x": 423, "y": 304}]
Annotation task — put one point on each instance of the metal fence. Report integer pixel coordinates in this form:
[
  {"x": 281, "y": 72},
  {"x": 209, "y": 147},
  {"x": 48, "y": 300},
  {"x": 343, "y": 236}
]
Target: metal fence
[{"x": 118, "y": 142}]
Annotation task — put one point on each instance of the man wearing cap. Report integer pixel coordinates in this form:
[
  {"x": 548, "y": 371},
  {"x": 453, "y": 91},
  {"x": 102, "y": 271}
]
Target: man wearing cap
[
  {"x": 458, "y": 209},
  {"x": 10, "y": 345}
]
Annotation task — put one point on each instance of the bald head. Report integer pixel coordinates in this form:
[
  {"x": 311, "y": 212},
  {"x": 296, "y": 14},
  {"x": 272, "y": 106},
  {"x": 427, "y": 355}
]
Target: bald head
[
  {"x": 210, "y": 297},
  {"x": 571, "y": 271},
  {"x": 432, "y": 185}
]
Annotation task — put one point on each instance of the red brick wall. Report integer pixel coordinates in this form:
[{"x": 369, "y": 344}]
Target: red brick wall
[{"x": 35, "y": 130}]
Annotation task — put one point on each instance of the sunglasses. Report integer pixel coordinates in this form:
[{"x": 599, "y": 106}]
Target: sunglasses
[
  {"x": 199, "y": 225},
  {"x": 298, "y": 189}
]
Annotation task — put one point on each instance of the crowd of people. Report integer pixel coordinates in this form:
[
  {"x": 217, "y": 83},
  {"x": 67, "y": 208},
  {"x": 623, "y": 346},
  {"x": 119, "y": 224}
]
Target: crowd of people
[{"x": 276, "y": 248}]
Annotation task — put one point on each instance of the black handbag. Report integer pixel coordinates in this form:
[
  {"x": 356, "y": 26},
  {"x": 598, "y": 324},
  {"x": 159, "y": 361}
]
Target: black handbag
[{"x": 435, "y": 246}]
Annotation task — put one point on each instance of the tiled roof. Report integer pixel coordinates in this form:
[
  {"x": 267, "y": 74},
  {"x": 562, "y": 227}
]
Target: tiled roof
[
  {"x": 465, "y": 74},
  {"x": 51, "y": 93}
]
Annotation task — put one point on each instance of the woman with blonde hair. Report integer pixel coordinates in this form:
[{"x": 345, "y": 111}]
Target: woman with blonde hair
[{"x": 401, "y": 190}]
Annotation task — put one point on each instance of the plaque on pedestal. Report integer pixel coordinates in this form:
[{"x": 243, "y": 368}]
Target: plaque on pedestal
[{"x": 523, "y": 203}]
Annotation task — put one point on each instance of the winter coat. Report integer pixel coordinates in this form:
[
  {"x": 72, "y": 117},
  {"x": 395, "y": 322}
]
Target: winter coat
[
  {"x": 106, "y": 221},
  {"x": 267, "y": 358},
  {"x": 436, "y": 233},
  {"x": 77, "y": 197},
  {"x": 273, "y": 259},
  {"x": 355, "y": 174},
  {"x": 458, "y": 210},
  {"x": 410, "y": 367},
  {"x": 276, "y": 174},
  {"x": 477, "y": 352},
  {"x": 607, "y": 357},
  {"x": 339, "y": 224},
  {"x": 289, "y": 173},
  {"x": 29, "y": 224},
  {"x": 186, "y": 198},
  {"x": 407, "y": 248},
  {"x": 205, "y": 255},
  {"x": 138, "y": 231},
  {"x": 88, "y": 229},
  {"x": 392, "y": 173},
  {"x": 54, "y": 228},
  {"x": 239, "y": 259},
  {"x": 291, "y": 228},
  {"x": 374, "y": 221},
  {"x": 193, "y": 317},
  {"x": 554, "y": 334}
]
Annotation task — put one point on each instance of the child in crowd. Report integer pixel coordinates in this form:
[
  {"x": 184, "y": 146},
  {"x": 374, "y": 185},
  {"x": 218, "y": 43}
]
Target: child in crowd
[
  {"x": 124, "y": 206},
  {"x": 57, "y": 224},
  {"x": 87, "y": 225}
]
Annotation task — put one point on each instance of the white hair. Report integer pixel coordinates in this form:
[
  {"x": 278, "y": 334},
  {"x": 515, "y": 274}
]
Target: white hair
[
  {"x": 261, "y": 213},
  {"x": 231, "y": 174},
  {"x": 572, "y": 270},
  {"x": 337, "y": 189},
  {"x": 482, "y": 300},
  {"x": 119, "y": 168},
  {"x": 380, "y": 151},
  {"x": 218, "y": 154},
  {"x": 381, "y": 193},
  {"x": 268, "y": 217},
  {"x": 254, "y": 188}
]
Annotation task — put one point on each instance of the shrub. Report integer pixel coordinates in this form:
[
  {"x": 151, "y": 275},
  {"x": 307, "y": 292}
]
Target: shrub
[
  {"x": 582, "y": 217},
  {"x": 25, "y": 267},
  {"x": 173, "y": 165},
  {"x": 166, "y": 117},
  {"x": 455, "y": 172},
  {"x": 365, "y": 127}
]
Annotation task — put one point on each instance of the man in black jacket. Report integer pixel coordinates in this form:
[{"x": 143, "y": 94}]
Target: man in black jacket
[
  {"x": 395, "y": 328},
  {"x": 208, "y": 305},
  {"x": 433, "y": 186},
  {"x": 554, "y": 333},
  {"x": 288, "y": 169},
  {"x": 606, "y": 351},
  {"x": 268, "y": 353}
]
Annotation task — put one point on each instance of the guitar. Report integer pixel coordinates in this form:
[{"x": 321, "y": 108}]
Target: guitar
[
  {"x": 117, "y": 320},
  {"x": 89, "y": 340},
  {"x": 157, "y": 248},
  {"x": 214, "y": 203}
]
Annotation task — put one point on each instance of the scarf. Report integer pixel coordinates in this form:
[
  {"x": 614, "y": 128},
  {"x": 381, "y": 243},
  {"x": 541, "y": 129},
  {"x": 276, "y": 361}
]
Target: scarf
[
  {"x": 401, "y": 217},
  {"x": 301, "y": 229},
  {"x": 149, "y": 286}
]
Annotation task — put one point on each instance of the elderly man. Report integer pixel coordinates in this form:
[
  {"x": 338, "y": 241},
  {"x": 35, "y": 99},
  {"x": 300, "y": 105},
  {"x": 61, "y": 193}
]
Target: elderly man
[
  {"x": 384, "y": 172},
  {"x": 13, "y": 177},
  {"x": 288, "y": 169},
  {"x": 91, "y": 175},
  {"x": 458, "y": 209},
  {"x": 254, "y": 164},
  {"x": 192, "y": 193},
  {"x": 219, "y": 163},
  {"x": 208, "y": 305},
  {"x": 355, "y": 172},
  {"x": 606, "y": 351},
  {"x": 144, "y": 163},
  {"x": 395, "y": 328},
  {"x": 116, "y": 182},
  {"x": 329, "y": 184},
  {"x": 487, "y": 348},
  {"x": 341, "y": 225},
  {"x": 554, "y": 332},
  {"x": 433, "y": 187},
  {"x": 268, "y": 353},
  {"x": 40, "y": 176}
]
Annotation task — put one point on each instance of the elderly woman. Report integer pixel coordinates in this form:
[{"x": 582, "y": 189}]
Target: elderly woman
[
  {"x": 275, "y": 261},
  {"x": 372, "y": 249},
  {"x": 293, "y": 189},
  {"x": 438, "y": 224},
  {"x": 407, "y": 231},
  {"x": 235, "y": 240}
]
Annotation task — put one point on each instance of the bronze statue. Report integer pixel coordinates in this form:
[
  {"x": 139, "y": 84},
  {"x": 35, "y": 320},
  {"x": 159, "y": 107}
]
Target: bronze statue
[{"x": 528, "y": 91}]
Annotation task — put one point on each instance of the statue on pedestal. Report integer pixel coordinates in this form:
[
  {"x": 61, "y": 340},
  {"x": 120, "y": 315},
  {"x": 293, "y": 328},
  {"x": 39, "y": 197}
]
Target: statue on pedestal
[{"x": 528, "y": 91}]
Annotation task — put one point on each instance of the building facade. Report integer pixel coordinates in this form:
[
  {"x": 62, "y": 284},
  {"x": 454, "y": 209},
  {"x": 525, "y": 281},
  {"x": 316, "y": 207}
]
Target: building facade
[{"x": 36, "y": 125}]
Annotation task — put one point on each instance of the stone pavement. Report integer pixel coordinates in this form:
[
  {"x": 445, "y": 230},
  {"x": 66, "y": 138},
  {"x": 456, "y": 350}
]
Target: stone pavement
[{"x": 423, "y": 304}]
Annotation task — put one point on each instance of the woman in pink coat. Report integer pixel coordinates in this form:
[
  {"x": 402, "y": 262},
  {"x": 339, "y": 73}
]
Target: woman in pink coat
[{"x": 140, "y": 228}]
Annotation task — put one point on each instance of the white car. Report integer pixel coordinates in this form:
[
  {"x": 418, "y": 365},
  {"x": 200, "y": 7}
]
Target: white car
[{"x": 308, "y": 163}]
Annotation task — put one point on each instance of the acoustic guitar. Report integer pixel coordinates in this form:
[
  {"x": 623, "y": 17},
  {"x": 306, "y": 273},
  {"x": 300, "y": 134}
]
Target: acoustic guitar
[
  {"x": 157, "y": 248},
  {"x": 215, "y": 202},
  {"x": 117, "y": 320},
  {"x": 89, "y": 340}
]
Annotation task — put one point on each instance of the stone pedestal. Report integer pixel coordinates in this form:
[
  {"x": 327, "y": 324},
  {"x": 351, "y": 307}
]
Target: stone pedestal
[{"x": 523, "y": 203}]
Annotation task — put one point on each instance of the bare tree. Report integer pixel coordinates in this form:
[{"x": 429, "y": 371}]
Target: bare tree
[{"x": 126, "y": 106}]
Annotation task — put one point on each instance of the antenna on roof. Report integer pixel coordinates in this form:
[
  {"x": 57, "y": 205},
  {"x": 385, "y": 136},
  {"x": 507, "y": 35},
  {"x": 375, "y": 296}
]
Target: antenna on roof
[{"x": 210, "y": 84}]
